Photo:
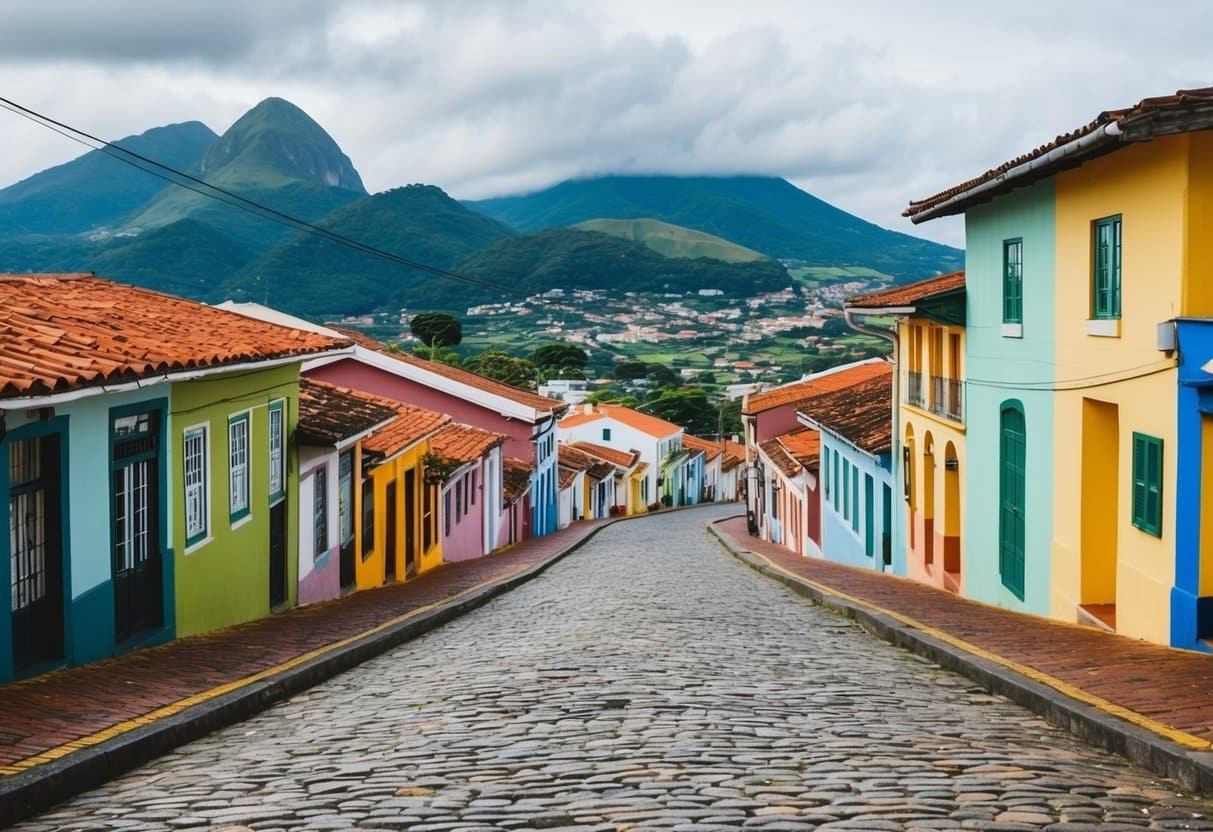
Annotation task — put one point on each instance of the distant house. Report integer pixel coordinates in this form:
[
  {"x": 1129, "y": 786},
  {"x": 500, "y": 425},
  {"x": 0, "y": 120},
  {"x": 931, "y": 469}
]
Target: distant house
[
  {"x": 472, "y": 512},
  {"x": 145, "y": 448},
  {"x": 628, "y": 475},
  {"x": 590, "y": 482},
  {"x": 623, "y": 428},
  {"x": 856, "y": 426},
  {"x": 792, "y": 499},
  {"x": 770, "y": 413}
]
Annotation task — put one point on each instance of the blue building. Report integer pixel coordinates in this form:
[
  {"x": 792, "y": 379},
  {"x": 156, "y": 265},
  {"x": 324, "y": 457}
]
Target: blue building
[{"x": 1192, "y": 594}]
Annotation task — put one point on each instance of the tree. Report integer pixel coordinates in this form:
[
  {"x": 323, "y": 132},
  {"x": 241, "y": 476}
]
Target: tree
[
  {"x": 503, "y": 367},
  {"x": 631, "y": 370},
  {"x": 686, "y": 407},
  {"x": 662, "y": 374},
  {"x": 443, "y": 355},
  {"x": 561, "y": 360},
  {"x": 436, "y": 329}
]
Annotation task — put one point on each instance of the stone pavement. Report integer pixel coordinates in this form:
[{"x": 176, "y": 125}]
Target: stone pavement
[
  {"x": 650, "y": 682},
  {"x": 71, "y": 729},
  {"x": 1150, "y": 703}
]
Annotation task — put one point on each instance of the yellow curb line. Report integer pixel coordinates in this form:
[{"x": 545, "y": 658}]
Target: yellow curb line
[
  {"x": 196, "y": 699},
  {"x": 1174, "y": 734}
]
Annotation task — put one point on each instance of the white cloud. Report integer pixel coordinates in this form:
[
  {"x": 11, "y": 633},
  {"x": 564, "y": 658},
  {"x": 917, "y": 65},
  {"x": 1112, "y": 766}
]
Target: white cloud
[{"x": 866, "y": 104}]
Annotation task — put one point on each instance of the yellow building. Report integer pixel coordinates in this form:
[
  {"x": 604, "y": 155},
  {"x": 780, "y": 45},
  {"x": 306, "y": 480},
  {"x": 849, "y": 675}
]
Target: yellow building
[{"x": 930, "y": 326}]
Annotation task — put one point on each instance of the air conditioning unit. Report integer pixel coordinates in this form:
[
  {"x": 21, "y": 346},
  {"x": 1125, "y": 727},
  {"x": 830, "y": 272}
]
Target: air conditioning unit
[{"x": 1165, "y": 339}]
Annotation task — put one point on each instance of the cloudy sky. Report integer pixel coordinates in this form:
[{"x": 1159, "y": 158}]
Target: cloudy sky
[{"x": 865, "y": 103}]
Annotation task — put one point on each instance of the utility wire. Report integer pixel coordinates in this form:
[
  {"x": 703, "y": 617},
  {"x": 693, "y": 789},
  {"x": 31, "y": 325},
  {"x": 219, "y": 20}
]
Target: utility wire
[
  {"x": 1082, "y": 383},
  {"x": 211, "y": 191}
]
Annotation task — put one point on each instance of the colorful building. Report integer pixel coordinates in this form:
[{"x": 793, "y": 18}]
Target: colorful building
[
  {"x": 930, "y": 352},
  {"x": 145, "y": 447},
  {"x": 856, "y": 427},
  {"x": 517, "y": 478},
  {"x": 472, "y": 513},
  {"x": 623, "y": 428},
  {"x": 792, "y": 500},
  {"x": 1106, "y": 227},
  {"x": 628, "y": 475},
  {"x": 771, "y": 413}
]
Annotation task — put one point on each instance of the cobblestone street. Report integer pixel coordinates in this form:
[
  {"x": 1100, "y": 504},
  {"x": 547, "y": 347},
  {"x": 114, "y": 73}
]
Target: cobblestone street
[{"x": 648, "y": 681}]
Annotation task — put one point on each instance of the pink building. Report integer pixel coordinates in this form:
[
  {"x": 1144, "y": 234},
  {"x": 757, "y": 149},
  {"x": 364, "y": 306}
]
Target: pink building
[{"x": 472, "y": 503}]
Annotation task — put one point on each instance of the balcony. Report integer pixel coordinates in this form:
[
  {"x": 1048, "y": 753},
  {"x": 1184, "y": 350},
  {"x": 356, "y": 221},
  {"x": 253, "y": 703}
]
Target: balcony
[
  {"x": 915, "y": 395},
  {"x": 947, "y": 398}
]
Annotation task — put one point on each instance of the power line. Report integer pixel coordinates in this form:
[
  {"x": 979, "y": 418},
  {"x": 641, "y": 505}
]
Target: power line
[
  {"x": 211, "y": 191},
  {"x": 1081, "y": 383}
]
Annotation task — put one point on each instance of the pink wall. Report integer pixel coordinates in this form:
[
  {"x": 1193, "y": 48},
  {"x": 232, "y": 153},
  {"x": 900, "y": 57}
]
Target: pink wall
[
  {"x": 350, "y": 373},
  {"x": 466, "y": 540},
  {"x": 324, "y": 581},
  {"x": 775, "y": 421},
  {"x": 518, "y": 516},
  {"x": 814, "y": 512}
]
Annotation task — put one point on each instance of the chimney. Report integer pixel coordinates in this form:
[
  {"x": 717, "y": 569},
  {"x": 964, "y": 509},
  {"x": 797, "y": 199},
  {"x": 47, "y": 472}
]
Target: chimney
[{"x": 588, "y": 409}]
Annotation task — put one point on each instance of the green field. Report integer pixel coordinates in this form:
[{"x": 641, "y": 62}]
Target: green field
[{"x": 673, "y": 240}]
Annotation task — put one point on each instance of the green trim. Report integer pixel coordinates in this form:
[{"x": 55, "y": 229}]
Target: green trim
[
  {"x": 855, "y": 499},
  {"x": 1012, "y": 495},
  {"x": 1106, "y": 237},
  {"x": 1147, "y": 483},
  {"x": 1012, "y": 281},
  {"x": 206, "y": 484},
  {"x": 240, "y": 513}
]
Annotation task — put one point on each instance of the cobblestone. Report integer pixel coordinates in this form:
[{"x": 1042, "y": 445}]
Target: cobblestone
[{"x": 648, "y": 682}]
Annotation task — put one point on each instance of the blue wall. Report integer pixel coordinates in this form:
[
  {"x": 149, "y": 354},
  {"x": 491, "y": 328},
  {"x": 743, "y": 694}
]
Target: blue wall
[
  {"x": 842, "y": 539},
  {"x": 1191, "y": 615}
]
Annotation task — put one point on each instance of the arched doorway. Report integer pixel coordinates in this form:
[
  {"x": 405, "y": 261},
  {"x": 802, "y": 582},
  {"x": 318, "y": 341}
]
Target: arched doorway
[
  {"x": 928, "y": 499},
  {"x": 951, "y": 519}
]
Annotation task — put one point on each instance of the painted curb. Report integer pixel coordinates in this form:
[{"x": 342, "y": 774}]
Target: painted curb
[
  {"x": 39, "y": 788},
  {"x": 1192, "y": 769}
]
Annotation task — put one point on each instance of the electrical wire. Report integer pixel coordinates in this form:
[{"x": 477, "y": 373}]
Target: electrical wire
[
  {"x": 1080, "y": 383},
  {"x": 211, "y": 191}
]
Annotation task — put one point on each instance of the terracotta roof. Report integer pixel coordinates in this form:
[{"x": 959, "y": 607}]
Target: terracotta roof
[
  {"x": 329, "y": 414},
  {"x": 1184, "y": 111},
  {"x": 463, "y": 443},
  {"x": 515, "y": 478},
  {"x": 643, "y": 422},
  {"x": 578, "y": 460},
  {"x": 524, "y": 397},
  {"x": 710, "y": 449},
  {"x": 567, "y": 476},
  {"x": 412, "y": 424},
  {"x": 862, "y": 414},
  {"x": 803, "y": 445},
  {"x": 814, "y": 386},
  {"x": 735, "y": 448},
  {"x": 624, "y": 459},
  {"x": 61, "y": 332},
  {"x": 911, "y": 293}
]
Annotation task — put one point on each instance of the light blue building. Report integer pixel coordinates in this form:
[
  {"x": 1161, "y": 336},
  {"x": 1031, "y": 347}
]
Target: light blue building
[{"x": 857, "y": 475}]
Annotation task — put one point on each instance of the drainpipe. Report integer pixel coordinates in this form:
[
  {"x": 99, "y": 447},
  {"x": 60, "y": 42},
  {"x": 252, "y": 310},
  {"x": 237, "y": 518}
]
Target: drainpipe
[{"x": 895, "y": 437}]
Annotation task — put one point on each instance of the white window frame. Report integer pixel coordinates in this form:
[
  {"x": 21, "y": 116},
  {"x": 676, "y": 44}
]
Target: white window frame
[
  {"x": 199, "y": 537},
  {"x": 277, "y": 450},
  {"x": 239, "y": 466}
]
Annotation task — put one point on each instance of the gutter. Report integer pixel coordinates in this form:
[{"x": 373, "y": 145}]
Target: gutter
[
  {"x": 1110, "y": 131},
  {"x": 34, "y": 402}
]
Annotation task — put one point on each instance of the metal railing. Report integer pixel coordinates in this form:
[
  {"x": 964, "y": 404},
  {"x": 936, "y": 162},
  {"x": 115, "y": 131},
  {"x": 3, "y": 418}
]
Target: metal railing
[
  {"x": 947, "y": 398},
  {"x": 914, "y": 392}
]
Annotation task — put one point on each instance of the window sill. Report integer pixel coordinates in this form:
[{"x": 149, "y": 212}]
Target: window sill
[
  {"x": 1103, "y": 327},
  {"x": 1011, "y": 331},
  {"x": 194, "y": 547},
  {"x": 241, "y": 520}
]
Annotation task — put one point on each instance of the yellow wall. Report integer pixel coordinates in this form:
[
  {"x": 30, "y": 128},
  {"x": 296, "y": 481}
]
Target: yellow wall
[
  {"x": 925, "y": 345},
  {"x": 371, "y": 569},
  {"x": 1147, "y": 184}
]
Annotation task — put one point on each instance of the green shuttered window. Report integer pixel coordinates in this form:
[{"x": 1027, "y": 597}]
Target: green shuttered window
[
  {"x": 1147, "y": 483},
  {"x": 1105, "y": 283},
  {"x": 1012, "y": 486},
  {"x": 1012, "y": 282}
]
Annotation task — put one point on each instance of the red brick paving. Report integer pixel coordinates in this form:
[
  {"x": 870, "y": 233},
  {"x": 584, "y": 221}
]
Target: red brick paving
[
  {"x": 1172, "y": 687},
  {"x": 47, "y": 711}
]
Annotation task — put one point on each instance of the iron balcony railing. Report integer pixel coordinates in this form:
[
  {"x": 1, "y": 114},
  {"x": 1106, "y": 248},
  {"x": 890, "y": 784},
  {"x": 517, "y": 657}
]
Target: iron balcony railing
[{"x": 947, "y": 398}]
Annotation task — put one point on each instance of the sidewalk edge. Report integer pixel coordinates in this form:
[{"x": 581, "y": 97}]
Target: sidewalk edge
[
  {"x": 1192, "y": 769},
  {"x": 37, "y": 789}
]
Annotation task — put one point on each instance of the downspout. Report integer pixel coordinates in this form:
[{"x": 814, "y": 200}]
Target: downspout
[{"x": 895, "y": 438}]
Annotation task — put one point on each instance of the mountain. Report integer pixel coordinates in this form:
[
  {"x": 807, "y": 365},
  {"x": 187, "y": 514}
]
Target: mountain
[
  {"x": 574, "y": 259},
  {"x": 96, "y": 189},
  {"x": 311, "y": 275},
  {"x": 767, "y": 214},
  {"x": 672, "y": 240},
  {"x": 275, "y": 155}
]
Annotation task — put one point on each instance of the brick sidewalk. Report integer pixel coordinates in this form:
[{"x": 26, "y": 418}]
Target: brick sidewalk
[
  {"x": 51, "y": 716},
  {"x": 1173, "y": 688}
]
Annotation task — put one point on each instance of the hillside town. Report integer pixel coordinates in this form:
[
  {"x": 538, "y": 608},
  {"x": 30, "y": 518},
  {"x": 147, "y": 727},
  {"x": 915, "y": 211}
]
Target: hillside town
[{"x": 1005, "y": 469}]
